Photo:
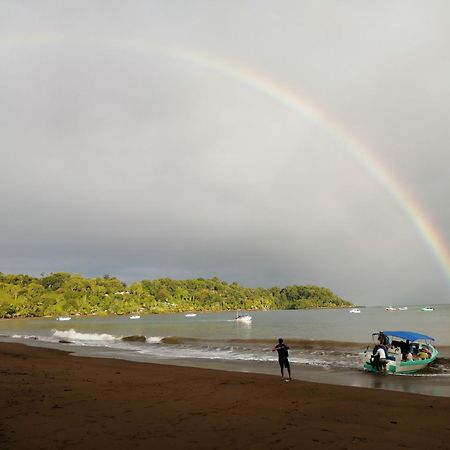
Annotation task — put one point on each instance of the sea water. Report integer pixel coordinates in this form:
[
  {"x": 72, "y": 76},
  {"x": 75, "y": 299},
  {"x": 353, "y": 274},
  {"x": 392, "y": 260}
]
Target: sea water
[{"x": 324, "y": 343}]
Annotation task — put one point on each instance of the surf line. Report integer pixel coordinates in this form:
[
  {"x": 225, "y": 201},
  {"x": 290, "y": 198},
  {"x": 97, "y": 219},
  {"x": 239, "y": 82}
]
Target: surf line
[{"x": 293, "y": 101}]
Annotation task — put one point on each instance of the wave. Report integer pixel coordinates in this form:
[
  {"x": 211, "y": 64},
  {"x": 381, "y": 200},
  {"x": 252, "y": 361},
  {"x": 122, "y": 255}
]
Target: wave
[
  {"x": 294, "y": 344},
  {"x": 134, "y": 338},
  {"x": 314, "y": 353},
  {"x": 23, "y": 336},
  {"x": 73, "y": 335},
  {"x": 141, "y": 338}
]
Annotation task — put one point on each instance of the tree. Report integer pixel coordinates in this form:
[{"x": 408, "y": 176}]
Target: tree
[{"x": 55, "y": 281}]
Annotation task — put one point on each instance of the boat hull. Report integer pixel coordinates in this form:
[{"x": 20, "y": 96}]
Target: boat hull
[{"x": 244, "y": 319}]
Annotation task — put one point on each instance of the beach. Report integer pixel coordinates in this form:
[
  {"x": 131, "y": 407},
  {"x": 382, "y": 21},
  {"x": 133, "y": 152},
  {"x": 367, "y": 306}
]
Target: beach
[{"x": 50, "y": 399}]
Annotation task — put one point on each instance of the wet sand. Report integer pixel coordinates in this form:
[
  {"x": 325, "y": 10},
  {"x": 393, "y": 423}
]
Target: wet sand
[{"x": 49, "y": 399}]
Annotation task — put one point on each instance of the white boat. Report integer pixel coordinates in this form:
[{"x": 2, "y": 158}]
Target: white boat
[
  {"x": 402, "y": 308},
  {"x": 427, "y": 308},
  {"x": 391, "y": 308},
  {"x": 190, "y": 315},
  {"x": 135, "y": 316},
  {"x": 419, "y": 354},
  {"x": 62, "y": 318},
  {"x": 245, "y": 318},
  {"x": 355, "y": 311}
]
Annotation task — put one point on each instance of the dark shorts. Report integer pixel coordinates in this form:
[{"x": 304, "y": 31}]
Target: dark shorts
[{"x": 284, "y": 363}]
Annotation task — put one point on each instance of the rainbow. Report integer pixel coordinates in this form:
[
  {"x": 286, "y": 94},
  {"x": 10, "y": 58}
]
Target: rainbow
[{"x": 293, "y": 101}]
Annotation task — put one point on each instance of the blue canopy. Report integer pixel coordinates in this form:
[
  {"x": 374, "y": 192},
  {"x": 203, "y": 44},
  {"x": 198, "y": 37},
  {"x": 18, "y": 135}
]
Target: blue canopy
[{"x": 410, "y": 335}]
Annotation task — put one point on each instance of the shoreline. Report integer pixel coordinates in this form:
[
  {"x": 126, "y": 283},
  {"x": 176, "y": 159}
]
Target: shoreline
[
  {"x": 421, "y": 384},
  {"x": 206, "y": 311},
  {"x": 55, "y": 400}
]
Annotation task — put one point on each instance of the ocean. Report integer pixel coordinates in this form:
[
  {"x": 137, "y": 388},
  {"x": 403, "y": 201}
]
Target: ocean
[{"x": 324, "y": 344}]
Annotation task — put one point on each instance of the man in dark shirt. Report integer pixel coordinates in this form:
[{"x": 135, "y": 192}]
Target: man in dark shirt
[{"x": 283, "y": 355}]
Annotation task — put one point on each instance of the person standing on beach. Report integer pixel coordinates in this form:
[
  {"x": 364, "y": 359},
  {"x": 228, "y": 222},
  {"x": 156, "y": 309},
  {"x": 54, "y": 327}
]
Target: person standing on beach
[{"x": 283, "y": 355}]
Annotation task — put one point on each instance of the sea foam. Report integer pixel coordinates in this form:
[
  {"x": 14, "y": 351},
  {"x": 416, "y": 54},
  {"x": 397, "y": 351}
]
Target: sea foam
[{"x": 76, "y": 336}]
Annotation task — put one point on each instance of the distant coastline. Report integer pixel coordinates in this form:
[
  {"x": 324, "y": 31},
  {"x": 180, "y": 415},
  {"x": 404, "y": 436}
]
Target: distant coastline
[{"x": 63, "y": 293}]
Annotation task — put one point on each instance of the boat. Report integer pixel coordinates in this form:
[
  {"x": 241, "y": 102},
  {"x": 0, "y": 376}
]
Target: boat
[
  {"x": 245, "y": 318},
  {"x": 420, "y": 353},
  {"x": 63, "y": 318},
  {"x": 391, "y": 308},
  {"x": 190, "y": 315},
  {"x": 427, "y": 308},
  {"x": 402, "y": 308},
  {"x": 355, "y": 311},
  {"x": 135, "y": 316}
]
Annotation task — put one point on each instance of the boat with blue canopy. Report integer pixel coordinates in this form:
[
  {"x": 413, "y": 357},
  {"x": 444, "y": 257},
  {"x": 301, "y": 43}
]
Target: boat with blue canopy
[{"x": 406, "y": 351}]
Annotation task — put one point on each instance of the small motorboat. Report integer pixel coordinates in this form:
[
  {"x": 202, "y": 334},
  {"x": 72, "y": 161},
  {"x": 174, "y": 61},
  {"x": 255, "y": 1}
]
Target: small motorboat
[
  {"x": 190, "y": 315},
  {"x": 403, "y": 308},
  {"x": 135, "y": 316},
  {"x": 355, "y": 311},
  {"x": 391, "y": 308},
  {"x": 428, "y": 308},
  {"x": 419, "y": 354},
  {"x": 63, "y": 318},
  {"x": 244, "y": 318}
]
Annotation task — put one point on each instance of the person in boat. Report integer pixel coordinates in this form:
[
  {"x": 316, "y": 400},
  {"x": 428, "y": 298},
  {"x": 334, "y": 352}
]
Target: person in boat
[
  {"x": 283, "y": 357},
  {"x": 383, "y": 339},
  {"x": 424, "y": 353},
  {"x": 405, "y": 348}
]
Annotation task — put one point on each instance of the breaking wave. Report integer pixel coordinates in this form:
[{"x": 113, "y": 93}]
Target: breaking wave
[
  {"x": 154, "y": 340},
  {"x": 294, "y": 344},
  {"x": 73, "y": 335},
  {"x": 313, "y": 353}
]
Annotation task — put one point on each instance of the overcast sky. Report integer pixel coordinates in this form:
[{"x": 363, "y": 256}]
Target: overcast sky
[{"x": 122, "y": 155}]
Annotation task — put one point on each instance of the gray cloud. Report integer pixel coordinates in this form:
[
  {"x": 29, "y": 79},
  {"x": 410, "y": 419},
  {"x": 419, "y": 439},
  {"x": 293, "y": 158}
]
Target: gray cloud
[{"x": 116, "y": 159}]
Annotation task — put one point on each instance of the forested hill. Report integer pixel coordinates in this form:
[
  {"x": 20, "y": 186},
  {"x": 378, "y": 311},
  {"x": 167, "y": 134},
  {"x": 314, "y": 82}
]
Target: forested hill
[{"x": 65, "y": 293}]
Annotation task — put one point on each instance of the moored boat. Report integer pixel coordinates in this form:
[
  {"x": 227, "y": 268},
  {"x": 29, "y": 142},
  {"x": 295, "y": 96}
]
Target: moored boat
[
  {"x": 428, "y": 308},
  {"x": 391, "y": 308},
  {"x": 407, "y": 352},
  {"x": 64, "y": 318},
  {"x": 355, "y": 311},
  {"x": 190, "y": 315},
  {"x": 135, "y": 316}
]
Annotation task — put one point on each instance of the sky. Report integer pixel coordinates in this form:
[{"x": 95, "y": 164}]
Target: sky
[{"x": 267, "y": 143}]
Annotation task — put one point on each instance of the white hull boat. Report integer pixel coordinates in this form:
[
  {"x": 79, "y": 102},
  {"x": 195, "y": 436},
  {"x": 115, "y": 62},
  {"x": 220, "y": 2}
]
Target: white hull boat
[{"x": 246, "y": 318}]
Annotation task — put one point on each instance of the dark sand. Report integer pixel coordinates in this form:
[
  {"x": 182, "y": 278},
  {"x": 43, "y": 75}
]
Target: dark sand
[{"x": 51, "y": 400}]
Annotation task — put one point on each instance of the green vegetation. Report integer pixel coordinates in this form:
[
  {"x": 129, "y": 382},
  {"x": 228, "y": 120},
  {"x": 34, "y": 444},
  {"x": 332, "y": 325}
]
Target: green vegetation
[{"x": 65, "y": 293}]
